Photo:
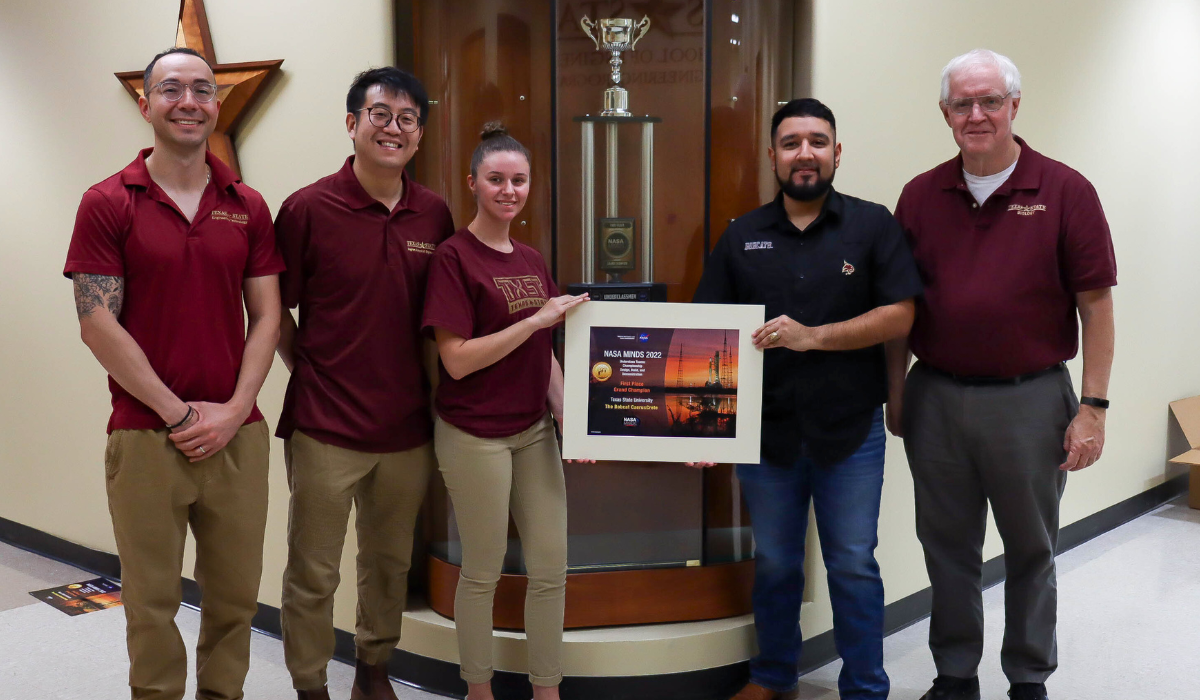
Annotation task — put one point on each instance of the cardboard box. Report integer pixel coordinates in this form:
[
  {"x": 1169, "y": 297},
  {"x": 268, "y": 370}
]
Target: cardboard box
[{"x": 1187, "y": 413}]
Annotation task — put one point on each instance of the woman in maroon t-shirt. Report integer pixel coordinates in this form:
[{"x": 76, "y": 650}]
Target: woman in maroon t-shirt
[{"x": 490, "y": 304}]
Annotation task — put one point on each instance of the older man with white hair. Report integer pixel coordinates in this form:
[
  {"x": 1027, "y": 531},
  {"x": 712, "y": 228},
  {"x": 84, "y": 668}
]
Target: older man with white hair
[{"x": 1012, "y": 246}]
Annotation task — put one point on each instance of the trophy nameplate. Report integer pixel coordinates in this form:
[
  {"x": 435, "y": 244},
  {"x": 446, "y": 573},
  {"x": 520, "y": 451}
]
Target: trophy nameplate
[{"x": 616, "y": 241}]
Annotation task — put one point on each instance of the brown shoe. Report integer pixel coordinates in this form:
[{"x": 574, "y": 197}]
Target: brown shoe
[
  {"x": 371, "y": 682},
  {"x": 754, "y": 691},
  {"x": 322, "y": 694}
]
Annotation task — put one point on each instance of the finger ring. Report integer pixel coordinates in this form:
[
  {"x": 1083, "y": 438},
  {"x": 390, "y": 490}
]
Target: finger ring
[
  {"x": 773, "y": 337},
  {"x": 201, "y": 448}
]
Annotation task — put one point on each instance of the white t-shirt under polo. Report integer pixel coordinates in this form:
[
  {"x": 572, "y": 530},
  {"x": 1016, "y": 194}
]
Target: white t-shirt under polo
[{"x": 982, "y": 187}]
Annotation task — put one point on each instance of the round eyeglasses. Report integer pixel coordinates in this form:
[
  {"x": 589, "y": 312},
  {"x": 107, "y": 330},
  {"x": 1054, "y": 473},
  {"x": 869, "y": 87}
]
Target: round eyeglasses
[
  {"x": 988, "y": 103},
  {"x": 173, "y": 90},
  {"x": 380, "y": 117}
]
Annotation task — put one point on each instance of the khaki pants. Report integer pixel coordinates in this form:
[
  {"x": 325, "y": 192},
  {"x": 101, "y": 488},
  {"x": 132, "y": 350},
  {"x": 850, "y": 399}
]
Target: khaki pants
[
  {"x": 486, "y": 479},
  {"x": 386, "y": 490},
  {"x": 154, "y": 493}
]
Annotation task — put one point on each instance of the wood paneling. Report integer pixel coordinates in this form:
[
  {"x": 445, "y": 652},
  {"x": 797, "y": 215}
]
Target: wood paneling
[
  {"x": 609, "y": 598},
  {"x": 485, "y": 60}
]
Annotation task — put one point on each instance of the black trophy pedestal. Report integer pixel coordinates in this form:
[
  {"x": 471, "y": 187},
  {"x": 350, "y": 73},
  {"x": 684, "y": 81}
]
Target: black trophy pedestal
[{"x": 621, "y": 291}]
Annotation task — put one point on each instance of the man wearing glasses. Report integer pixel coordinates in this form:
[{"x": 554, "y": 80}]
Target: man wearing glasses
[
  {"x": 1011, "y": 246},
  {"x": 356, "y": 418},
  {"x": 163, "y": 257}
]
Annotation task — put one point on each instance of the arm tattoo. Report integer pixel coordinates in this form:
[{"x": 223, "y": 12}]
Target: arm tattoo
[{"x": 92, "y": 291}]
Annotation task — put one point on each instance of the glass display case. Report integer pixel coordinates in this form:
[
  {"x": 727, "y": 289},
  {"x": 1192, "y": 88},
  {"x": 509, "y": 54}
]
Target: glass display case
[{"x": 711, "y": 74}]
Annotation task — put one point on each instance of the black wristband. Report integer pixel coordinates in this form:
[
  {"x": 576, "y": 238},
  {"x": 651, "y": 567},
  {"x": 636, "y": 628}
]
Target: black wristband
[
  {"x": 186, "y": 416},
  {"x": 1093, "y": 401}
]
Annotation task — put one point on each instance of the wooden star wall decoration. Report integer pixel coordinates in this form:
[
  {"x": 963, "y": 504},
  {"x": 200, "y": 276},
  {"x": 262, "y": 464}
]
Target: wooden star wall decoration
[{"x": 238, "y": 84}]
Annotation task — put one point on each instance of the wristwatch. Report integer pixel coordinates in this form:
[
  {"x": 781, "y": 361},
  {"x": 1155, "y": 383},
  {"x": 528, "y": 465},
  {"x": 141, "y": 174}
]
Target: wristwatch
[{"x": 1093, "y": 401}]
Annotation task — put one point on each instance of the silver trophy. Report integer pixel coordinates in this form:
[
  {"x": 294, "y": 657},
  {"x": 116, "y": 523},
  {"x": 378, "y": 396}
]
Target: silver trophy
[{"x": 615, "y": 35}]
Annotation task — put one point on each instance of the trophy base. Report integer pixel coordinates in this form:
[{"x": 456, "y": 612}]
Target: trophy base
[
  {"x": 621, "y": 291},
  {"x": 616, "y": 103}
]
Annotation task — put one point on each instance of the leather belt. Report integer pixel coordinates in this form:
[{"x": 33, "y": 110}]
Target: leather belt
[{"x": 967, "y": 380}]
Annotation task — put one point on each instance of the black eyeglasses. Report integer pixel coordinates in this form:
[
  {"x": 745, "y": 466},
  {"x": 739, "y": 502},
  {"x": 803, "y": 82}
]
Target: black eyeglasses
[
  {"x": 173, "y": 90},
  {"x": 380, "y": 117}
]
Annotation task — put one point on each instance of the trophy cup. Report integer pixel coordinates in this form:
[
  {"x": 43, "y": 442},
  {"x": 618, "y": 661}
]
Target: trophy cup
[
  {"x": 616, "y": 35},
  {"x": 618, "y": 236}
]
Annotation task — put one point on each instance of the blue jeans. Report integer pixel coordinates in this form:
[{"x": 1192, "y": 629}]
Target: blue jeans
[{"x": 846, "y": 498}]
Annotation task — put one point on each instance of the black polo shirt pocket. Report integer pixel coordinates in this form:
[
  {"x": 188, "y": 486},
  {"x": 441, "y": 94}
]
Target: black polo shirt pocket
[
  {"x": 849, "y": 275},
  {"x": 764, "y": 275}
]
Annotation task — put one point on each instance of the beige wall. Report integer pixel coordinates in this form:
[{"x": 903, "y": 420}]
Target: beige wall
[
  {"x": 1109, "y": 89},
  {"x": 66, "y": 123}
]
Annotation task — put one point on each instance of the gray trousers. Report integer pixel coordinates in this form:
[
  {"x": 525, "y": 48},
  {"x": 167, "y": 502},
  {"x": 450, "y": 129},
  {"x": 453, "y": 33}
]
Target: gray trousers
[{"x": 969, "y": 446}]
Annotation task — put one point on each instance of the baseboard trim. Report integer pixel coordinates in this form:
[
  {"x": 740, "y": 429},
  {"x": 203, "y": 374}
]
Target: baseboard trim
[
  {"x": 911, "y": 609},
  {"x": 441, "y": 677}
]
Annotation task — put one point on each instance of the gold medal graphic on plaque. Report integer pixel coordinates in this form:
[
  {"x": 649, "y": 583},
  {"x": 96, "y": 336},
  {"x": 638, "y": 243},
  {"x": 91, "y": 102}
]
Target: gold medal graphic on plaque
[{"x": 601, "y": 371}]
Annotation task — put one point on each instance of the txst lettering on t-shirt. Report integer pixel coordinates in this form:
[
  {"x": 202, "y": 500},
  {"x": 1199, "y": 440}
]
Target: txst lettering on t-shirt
[
  {"x": 524, "y": 292},
  {"x": 474, "y": 291}
]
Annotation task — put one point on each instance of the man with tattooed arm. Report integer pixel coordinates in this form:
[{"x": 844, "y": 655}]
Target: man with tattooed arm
[{"x": 163, "y": 257}]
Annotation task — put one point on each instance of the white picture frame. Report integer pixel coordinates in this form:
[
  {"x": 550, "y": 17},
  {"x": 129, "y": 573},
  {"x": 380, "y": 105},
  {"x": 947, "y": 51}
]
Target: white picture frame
[{"x": 581, "y": 443}]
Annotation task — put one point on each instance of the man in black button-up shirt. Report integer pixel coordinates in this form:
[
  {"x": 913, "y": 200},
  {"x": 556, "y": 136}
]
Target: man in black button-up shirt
[{"x": 837, "y": 279}]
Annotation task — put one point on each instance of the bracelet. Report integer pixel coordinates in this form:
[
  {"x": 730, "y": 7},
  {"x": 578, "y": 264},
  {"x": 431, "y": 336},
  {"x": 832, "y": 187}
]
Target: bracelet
[
  {"x": 1093, "y": 401},
  {"x": 185, "y": 419}
]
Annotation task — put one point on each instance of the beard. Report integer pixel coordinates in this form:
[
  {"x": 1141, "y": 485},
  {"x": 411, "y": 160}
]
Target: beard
[{"x": 806, "y": 193}]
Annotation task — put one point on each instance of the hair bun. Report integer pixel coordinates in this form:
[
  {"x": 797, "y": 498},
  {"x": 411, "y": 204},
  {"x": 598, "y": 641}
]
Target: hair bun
[{"x": 493, "y": 130}]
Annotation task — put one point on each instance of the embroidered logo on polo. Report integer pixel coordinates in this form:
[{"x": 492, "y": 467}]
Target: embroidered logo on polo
[
  {"x": 421, "y": 247},
  {"x": 847, "y": 268},
  {"x": 524, "y": 292},
  {"x": 759, "y": 245},
  {"x": 218, "y": 215},
  {"x": 1023, "y": 210}
]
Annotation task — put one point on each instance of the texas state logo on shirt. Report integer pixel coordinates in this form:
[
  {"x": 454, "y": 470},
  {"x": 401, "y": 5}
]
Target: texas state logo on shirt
[
  {"x": 525, "y": 292},
  {"x": 1026, "y": 210},
  {"x": 235, "y": 217}
]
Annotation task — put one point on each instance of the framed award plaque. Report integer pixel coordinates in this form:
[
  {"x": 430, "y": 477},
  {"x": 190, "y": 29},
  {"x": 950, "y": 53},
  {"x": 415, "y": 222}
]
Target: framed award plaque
[{"x": 661, "y": 382}]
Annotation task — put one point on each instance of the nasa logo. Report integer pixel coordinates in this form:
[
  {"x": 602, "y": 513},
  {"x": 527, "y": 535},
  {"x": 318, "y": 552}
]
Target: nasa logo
[
  {"x": 632, "y": 421},
  {"x": 643, "y": 337}
]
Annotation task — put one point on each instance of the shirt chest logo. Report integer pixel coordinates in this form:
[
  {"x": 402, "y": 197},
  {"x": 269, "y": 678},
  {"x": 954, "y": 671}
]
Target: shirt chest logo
[
  {"x": 847, "y": 268},
  {"x": 1023, "y": 210},
  {"x": 759, "y": 245},
  {"x": 525, "y": 292},
  {"x": 233, "y": 217},
  {"x": 420, "y": 247}
]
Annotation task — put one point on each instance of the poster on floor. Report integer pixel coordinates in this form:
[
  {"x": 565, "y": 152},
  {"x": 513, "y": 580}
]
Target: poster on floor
[
  {"x": 662, "y": 382},
  {"x": 80, "y": 598}
]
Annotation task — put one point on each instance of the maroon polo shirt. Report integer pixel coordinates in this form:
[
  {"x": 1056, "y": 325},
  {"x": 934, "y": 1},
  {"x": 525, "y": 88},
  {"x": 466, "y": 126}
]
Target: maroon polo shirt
[
  {"x": 1000, "y": 279},
  {"x": 357, "y": 272},
  {"x": 475, "y": 290},
  {"x": 183, "y": 281}
]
